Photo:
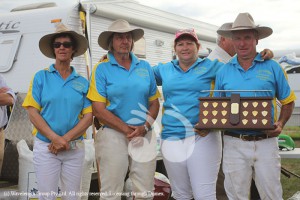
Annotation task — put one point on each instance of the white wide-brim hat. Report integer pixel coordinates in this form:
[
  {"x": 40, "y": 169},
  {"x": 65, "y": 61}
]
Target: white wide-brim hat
[
  {"x": 119, "y": 26},
  {"x": 244, "y": 21},
  {"x": 46, "y": 47}
]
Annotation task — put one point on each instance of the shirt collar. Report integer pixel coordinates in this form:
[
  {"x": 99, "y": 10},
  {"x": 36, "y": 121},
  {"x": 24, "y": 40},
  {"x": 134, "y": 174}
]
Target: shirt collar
[
  {"x": 176, "y": 63},
  {"x": 134, "y": 60},
  {"x": 257, "y": 58},
  {"x": 74, "y": 73}
]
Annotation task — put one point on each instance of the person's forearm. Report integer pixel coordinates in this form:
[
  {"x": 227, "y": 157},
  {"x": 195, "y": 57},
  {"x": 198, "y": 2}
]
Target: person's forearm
[
  {"x": 6, "y": 99},
  {"x": 80, "y": 128},
  {"x": 285, "y": 113},
  {"x": 40, "y": 124},
  {"x": 106, "y": 117},
  {"x": 153, "y": 112}
]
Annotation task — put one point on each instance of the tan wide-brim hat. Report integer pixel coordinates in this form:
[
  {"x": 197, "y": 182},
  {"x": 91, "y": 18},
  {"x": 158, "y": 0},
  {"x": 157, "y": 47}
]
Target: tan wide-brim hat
[
  {"x": 244, "y": 21},
  {"x": 119, "y": 26},
  {"x": 46, "y": 47}
]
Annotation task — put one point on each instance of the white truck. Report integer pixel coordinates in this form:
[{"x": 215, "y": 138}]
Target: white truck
[{"x": 21, "y": 29}]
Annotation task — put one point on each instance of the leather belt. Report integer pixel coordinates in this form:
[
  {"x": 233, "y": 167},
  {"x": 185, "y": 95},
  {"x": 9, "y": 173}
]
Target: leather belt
[{"x": 248, "y": 137}]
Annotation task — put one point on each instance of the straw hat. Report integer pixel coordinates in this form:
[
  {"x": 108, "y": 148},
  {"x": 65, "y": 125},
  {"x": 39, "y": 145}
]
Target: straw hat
[
  {"x": 244, "y": 21},
  {"x": 45, "y": 43},
  {"x": 119, "y": 26}
]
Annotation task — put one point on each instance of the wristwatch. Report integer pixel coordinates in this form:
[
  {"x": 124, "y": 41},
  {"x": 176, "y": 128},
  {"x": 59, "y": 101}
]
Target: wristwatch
[{"x": 146, "y": 128}]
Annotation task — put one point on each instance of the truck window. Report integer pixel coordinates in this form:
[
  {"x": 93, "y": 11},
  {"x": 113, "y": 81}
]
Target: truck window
[
  {"x": 293, "y": 70},
  {"x": 8, "y": 49}
]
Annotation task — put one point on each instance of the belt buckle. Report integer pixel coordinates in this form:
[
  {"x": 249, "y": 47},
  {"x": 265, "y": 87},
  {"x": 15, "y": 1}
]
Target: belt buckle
[
  {"x": 262, "y": 137},
  {"x": 243, "y": 137}
]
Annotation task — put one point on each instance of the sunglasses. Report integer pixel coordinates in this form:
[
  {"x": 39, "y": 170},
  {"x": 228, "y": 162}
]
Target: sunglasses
[
  {"x": 181, "y": 31},
  {"x": 190, "y": 32},
  {"x": 65, "y": 44}
]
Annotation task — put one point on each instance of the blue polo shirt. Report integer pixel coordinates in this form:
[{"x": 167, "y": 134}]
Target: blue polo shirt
[
  {"x": 181, "y": 90},
  {"x": 262, "y": 75},
  {"x": 61, "y": 102},
  {"x": 126, "y": 93}
]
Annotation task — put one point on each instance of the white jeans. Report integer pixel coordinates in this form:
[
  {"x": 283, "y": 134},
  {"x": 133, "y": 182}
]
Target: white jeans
[
  {"x": 192, "y": 165},
  {"x": 243, "y": 160},
  {"x": 49, "y": 168},
  {"x": 116, "y": 155}
]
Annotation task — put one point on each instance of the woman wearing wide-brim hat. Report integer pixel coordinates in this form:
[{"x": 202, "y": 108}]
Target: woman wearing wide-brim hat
[
  {"x": 125, "y": 100},
  {"x": 60, "y": 112}
]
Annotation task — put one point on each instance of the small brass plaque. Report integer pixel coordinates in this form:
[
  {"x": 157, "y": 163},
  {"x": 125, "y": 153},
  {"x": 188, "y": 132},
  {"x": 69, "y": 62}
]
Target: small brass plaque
[
  {"x": 214, "y": 112},
  {"x": 264, "y": 113},
  {"x": 264, "y": 121},
  {"x": 234, "y": 108},
  {"x": 224, "y": 112},
  {"x": 245, "y": 121},
  {"x": 215, "y": 104},
  {"x": 254, "y": 113},
  {"x": 224, "y": 104},
  {"x": 223, "y": 121},
  {"x": 254, "y": 104},
  {"x": 264, "y": 104}
]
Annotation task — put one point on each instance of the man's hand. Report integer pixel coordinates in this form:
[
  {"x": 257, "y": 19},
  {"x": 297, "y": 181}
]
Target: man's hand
[
  {"x": 3, "y": 90},
  {"x": 202, "y": 132},
  {"x": 275, "y": 132},
  {"x": 267, "y": 54},
  {"x": 137, "y": 135}
]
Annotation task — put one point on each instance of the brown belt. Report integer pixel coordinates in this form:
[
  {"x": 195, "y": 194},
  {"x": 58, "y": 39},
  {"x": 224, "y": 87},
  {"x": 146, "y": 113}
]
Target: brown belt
[{"x": 248, "y": 137}]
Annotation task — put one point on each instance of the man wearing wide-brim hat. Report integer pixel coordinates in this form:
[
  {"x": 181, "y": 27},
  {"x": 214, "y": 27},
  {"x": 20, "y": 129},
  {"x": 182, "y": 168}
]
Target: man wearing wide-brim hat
[
  {"x": 125, "y": 101},
  {"x": 253, "y": 153}
]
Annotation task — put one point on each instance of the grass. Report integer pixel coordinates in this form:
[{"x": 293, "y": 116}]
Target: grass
[
  {"x": 291, "y": 185},
  {"x": 293, "y": 131}
]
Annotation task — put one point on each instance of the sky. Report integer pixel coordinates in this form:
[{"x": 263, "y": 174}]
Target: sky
[{"x": 280, "y": 15}]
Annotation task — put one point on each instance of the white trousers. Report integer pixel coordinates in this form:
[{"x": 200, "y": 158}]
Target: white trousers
[
  {"x": 192, "y": 165},
  {"x": 243, "y": 160},
  {"x": 116, "y": 155},
  {"x": 49, "y": 168}
]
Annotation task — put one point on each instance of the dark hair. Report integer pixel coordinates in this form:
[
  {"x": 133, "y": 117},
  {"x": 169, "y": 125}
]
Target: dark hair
[
  {"x": 73, "y": 41},
  {"x": 186, "y": 37}
]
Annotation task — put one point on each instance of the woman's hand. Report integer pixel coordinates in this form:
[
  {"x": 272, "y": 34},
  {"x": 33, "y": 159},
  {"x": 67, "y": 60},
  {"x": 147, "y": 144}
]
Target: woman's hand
[{"x": 58, "y": 144}]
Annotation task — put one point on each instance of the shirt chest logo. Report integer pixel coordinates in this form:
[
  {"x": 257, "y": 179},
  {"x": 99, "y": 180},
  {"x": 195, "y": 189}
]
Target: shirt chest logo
[
  {"x": 264, "y": 75},
  {"x": 199, "y": 70},
  {"x": 142, "y": 72},
  {"x": 78, "y": 86}
]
